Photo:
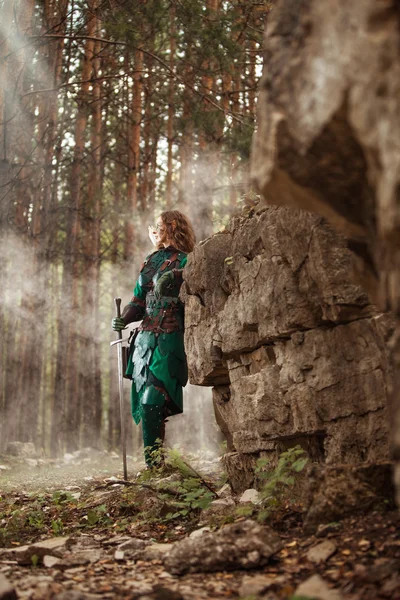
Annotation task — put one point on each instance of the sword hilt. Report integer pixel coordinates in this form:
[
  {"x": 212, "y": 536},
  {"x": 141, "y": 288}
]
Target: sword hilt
[{"x": 118, "y": 309}]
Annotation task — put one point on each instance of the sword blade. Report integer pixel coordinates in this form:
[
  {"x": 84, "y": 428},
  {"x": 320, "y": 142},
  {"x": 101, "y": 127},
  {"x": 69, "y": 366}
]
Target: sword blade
[
  {"x": 121, "y": 409},
  {"x": 121, "y": 389}
]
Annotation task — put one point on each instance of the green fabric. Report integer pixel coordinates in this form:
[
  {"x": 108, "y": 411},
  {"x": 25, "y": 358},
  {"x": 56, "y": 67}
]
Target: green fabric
[
  {"x": 161, "y": 355},
  {"x": 165, "y": 358}
]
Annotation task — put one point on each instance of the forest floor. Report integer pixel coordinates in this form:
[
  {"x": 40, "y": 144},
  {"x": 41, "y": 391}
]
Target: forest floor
[{"x": 111, "y": 540}]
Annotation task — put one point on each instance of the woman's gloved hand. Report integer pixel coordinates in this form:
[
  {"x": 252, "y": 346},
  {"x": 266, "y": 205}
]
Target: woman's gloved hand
[
  {"x": 163, "y": 283},
  {"x": 118, "y": 324}
]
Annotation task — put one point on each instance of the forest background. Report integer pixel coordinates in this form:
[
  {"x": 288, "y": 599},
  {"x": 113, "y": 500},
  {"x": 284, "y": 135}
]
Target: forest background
[{"x": 111, "y": 111}]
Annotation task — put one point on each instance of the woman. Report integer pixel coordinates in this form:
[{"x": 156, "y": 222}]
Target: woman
[{"x": 158, "y": 363}]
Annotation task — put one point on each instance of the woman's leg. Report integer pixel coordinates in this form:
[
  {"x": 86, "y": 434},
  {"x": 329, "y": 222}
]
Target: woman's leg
[
  {"x": 152, "y": 427},
  {"x": 154, "y": 411}
]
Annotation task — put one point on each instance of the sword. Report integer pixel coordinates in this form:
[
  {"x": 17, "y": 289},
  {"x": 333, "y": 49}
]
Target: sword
[{"x": 121, "y": 388}]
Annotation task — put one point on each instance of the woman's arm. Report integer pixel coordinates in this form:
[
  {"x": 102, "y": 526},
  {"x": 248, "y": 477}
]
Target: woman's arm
[{"x": 135, "y": 309}]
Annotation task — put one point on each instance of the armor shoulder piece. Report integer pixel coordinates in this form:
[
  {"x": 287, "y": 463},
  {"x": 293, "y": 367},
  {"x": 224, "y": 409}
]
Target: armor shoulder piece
[{"x": 182, "y": 257}]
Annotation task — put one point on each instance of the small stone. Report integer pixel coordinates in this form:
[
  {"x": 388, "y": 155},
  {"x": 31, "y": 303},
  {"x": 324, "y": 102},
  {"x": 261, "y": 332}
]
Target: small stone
[
  {"x": 134, "y": 544},
  {"x": 119, "y": 555},
  {"x": 157, "y": 551},
  {"x": 31, "y": 462},
  {"x": 323, "y": 530},
  {"x": 199, "y": 532},
  {"x": 50, "y": 561},
  {"x": 218, "y": 508},
  {"x": 316, "y": 587},
  {"x": 76, "y": 495},
  {"x": 4, "y": 468},
  {"x": 320, "y": 553},
  {"x": 117, "y": 540},
  {"x": 250, "y": 495},
  {"x": 225, "y": 491},
  {"x": 72, "y": 561},
  {"x": 7, "y": 591},
  {"x": 254, "y": 585}
]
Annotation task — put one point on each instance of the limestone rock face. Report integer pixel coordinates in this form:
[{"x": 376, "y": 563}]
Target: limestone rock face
[
  {"x": 293, "y": 346},
  {"x": 328, "y": 136}
]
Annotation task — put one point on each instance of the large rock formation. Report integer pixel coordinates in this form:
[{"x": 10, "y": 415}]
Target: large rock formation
[
  {"x": 329, "y": 135},
  {"x": 292, "y": 345}
]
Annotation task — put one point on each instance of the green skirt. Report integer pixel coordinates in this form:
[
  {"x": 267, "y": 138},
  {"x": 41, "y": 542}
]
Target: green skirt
[{"x": 160, "y": 356}]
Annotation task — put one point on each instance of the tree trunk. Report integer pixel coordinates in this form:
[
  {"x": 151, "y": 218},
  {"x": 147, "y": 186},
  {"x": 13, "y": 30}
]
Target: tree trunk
[
  {"x": 171, "y": 109},
  {"x": 6, "y": 18},
  {"x": 134, "y": 152},
  {"x": 65, "y": 426},
  {"x": 90, "y": 399}
]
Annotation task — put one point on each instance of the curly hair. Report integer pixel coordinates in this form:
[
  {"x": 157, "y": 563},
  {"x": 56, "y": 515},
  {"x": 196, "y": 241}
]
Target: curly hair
[{"x": 179, "y": 230}]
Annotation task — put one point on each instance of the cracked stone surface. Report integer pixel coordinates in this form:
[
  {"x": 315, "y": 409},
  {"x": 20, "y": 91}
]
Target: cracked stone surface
[
  {"x": 328, "y": 137},
  {"x": 293, "y": 345}
]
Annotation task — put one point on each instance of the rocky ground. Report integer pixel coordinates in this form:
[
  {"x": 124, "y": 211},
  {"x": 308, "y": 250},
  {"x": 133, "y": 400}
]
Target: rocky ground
[{"x": 177, "y": 535}]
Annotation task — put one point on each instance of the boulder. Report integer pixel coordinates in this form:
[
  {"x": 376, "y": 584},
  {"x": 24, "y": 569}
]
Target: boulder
[
  {"x": 291, "y": 341},
  {"x": 242, "y": 545}
]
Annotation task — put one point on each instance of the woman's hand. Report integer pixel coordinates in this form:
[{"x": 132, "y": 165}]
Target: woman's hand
[
  {"x": 163, "y": 283},
  {"x": 118, "y": 324}
]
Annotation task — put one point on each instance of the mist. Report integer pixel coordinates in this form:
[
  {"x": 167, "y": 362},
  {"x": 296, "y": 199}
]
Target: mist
[{"x": 96, "y": 141}]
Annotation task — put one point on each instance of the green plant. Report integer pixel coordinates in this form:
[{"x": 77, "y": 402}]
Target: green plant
[
  {"x": 34, "y": 560},
  {"x": 278, "y": 480},
  {"x": 246, "y": 510},
  {"x": 17, "y": 520},
  {"x": 185, "y": 496},
  {"x": 34, "y": 519},
  {"x": 57, "y": 526},
  {"x": 98, "y": 516},
  {"x": 59, "y": 498},
  {"x": 223, "y": 446}
]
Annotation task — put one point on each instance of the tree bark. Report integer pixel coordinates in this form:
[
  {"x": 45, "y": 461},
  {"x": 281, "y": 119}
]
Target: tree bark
[
  {"x": 65, "y": 426},
  {"x": 171, "y": 110},
  {"x": 134, "y": 151}
]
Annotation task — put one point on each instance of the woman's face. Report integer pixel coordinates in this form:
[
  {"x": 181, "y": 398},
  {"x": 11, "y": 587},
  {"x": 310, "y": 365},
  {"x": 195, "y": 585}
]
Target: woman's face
[{"x": 160, "y": 232}]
